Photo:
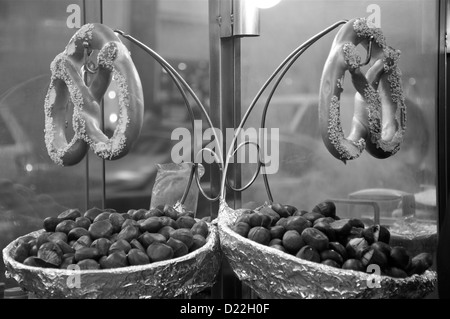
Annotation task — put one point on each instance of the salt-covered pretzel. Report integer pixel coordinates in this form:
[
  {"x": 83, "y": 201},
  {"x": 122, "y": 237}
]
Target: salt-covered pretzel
[
  {"x": 67, "y": 83},
  {"x": 379, "y": 118}
]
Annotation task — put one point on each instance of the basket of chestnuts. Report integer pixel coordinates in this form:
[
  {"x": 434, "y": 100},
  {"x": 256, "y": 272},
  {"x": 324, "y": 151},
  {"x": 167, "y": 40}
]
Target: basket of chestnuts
[
  {"x": 101, "y": 253},
  {"x": 283, "y": 252}
]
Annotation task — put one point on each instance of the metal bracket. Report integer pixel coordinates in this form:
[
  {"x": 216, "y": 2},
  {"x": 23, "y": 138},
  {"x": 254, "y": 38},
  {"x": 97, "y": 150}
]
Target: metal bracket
[{"x": 238, "y": 18}]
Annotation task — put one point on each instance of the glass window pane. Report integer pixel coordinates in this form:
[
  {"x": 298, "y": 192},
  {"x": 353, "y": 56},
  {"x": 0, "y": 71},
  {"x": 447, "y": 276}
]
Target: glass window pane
[
  {"x": 32, "y": 187},
  {"x": 308, "y": 173},
  {"x": 178, "y": 31}
]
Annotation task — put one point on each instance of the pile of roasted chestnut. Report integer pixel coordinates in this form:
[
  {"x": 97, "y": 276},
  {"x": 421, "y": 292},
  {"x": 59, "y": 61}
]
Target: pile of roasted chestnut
[
  {"x": 322, "y": 237},
  {"x": 105, "y": 239}
]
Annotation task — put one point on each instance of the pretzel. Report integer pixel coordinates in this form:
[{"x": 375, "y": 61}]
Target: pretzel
[
  {"x": 379, "y": 118},
  {"x": 113, "y": 63}
]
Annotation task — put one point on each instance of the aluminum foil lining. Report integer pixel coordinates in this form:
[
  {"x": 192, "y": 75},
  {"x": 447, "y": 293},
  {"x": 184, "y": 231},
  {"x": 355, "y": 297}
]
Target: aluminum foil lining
[
  {"x": 181, "y": 277},
  {"x": 277, "y": 275}
]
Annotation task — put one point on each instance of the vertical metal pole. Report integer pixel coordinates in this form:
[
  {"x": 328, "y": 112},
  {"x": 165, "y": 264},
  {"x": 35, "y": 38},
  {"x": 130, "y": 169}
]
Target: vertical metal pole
[
  {"x": 225, "y": 97},
  {"x": 103, "y": 130},
  {"x": 231, "y": 102},
  {"x": 215, "y": 87},
  {"x": 215, "y": 112},
  {"x": 93, "y": 12},
  {"x": 443, "y": 139}
]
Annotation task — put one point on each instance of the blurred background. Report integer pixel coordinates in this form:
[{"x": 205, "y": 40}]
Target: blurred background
[{"x": 33, "y": 32}]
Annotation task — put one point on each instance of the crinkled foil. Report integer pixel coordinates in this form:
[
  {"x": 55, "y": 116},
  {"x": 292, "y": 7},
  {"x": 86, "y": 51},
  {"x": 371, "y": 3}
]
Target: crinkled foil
[
  {"x": 177, "y": 278},
  {"x": 276, "y": 275}
]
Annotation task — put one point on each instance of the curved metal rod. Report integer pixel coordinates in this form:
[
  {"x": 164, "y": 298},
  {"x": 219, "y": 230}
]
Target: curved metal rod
[
  {"x": 255, "y": 175},
  {"x": 165, "y": 64},
  {"x": 264, "y": 114},
  {"x": 369, "y": 52},
  {"x": 173, "y": 77},
  {"x": 258, "y": 95},
  {"x": 197, "y": 178},
  {"x": 267, "y": 104},
  {"x": 178, "y": 79},
  {"x": 283, "y": 73}
]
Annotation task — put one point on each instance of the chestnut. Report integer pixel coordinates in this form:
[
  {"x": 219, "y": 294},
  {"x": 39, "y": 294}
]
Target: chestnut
[
  {"x": 178, "y": 247},
  {"x": 259, "y": 219},
  {"x": 86, "y": 253},
  {"x": 353, "y": 264},
  {"x": 332, "y": 255},
  {"x": 50, "y": 223},
  {"x": 168, "y": 211},
  {"x": 355, "y": 246},
  {"x": 271, "y": 214},
  {"x": 102, "y": 245},
  {"x": 297, "y": 223},
  {"x": 315, "y": 238},
  {"x": 375, "y": 256},
  {"x": 341, "y": 227},
  {"x": 69, "y": 214},
  {"x": 385, "y": 248},
  {"x": 102, "y": 216},
  {"x": 420, "y": 263},
  {"x": 280, "y": 210},
  {"x": 399, "y": 257},
  {"x": 339, "y": 248},
  {"x": 50, "y": 253},
  {"x": 277, "y": 231},
  {"x": 276, "y": 241},
  {"x": 325, "y": 228},
  {"x": 92, "y": 213},
  {"x": 244, "y": 219},
  {"x": 309, "y": 253},
  {"x": 326, "y": 208},
  {"x": 138, "y": 257},
  {"x": 313, "y": 216},
  {"x": 282, "y": 222},
  {"x": 331, "y": 263},
  {"x": 376, "y": 233},
  {"x": 83, "y": 222},
  {"x": 198, "y": 242},
  {"x": 290, "y": 209},
  {"x": 293, "y": 241},
  {"x": 260, "y": 235},
  {"x": 120, "y": 245},
  {"x": 395, "y": 272},
  {"x": 88, "y": 264}
]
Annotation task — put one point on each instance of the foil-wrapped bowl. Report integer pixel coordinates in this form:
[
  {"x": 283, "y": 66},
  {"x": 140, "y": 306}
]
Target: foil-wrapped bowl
[
  {"x": 181, "y": 277},
  {"x": 273, "y": 274}
]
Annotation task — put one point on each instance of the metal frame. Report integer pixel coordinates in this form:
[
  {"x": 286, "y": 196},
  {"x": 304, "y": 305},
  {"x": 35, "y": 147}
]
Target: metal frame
[
  {"x": 225, "y": 112},
  {"x": 93, "y": 13},
  {"x": 443, "y": 147}
]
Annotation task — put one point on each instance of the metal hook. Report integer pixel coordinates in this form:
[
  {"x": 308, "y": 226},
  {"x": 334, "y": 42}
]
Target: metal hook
[
  {"x": 88, "y": 66},
  {"x": 369, "y": 52}
]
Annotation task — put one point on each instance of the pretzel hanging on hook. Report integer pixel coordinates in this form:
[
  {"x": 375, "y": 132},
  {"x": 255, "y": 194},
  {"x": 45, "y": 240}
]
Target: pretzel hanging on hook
[
  {"x": 379, "y": 118},
  {"x": 70, "y": 70}
]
